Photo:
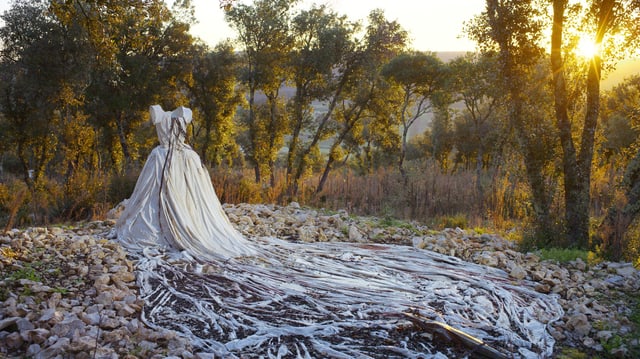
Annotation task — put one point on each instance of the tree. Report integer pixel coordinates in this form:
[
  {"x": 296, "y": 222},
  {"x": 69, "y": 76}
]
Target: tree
[
  {"x": 322, "y": 44},
  {"x": 621, "y": 119},
  {"x": 375, "y": 140},
  {"x": 46, "y": 66},
  {"x": 142, "y": 52},
  {"x": 27, "y": 87},
  {"x": 621, "y": 135},
  {"x": 420, "y": 77},
  {"x": 263, "y": 33},
  {"x": 214, "y": 96},
  {"x": 512, "y": 30},
  {"x": 602, "y": 19},
  {"x": 441, "y": 135},
  {"x": 473, "y": 84},
  {"x": 383, "y": 40}
]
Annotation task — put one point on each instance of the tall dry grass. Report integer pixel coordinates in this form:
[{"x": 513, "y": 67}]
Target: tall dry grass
[{"x": 428, "y": 195}]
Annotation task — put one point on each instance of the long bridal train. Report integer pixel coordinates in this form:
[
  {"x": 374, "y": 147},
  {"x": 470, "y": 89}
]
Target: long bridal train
[
  {"x": 346, "y": 300},
  {"x": 267, "y": 297}
]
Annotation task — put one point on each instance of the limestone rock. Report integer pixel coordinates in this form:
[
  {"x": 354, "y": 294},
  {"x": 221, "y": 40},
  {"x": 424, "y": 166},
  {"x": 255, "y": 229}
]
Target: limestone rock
[{"x": 580, "y": 324}]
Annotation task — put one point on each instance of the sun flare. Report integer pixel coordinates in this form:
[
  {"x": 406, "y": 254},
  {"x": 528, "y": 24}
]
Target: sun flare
[{"x": 587, "y": 48}]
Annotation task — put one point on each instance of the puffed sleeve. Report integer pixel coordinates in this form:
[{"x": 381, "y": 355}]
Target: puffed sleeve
[
  {"x": 183, "y": 112},
  {"x": 157, "y": 113}
]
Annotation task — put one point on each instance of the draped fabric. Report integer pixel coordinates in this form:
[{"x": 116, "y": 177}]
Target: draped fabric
[
  {"x": 277, "y": 299},
  {"x": 346, "y": 300},
  {"x": 174, "y": 204}
]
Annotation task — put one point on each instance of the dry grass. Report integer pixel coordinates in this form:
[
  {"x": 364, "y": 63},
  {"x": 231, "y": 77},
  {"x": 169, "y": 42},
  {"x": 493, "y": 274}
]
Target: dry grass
[{"x": 430, "y": 195}]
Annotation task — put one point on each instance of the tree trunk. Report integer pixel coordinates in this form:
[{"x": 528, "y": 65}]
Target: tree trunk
[
  {"x": 479, "y": 187},
  {"x": 540, "y": 197},
  {"x": 325, "y": 174},
  {"x": 122, "y": 137},
  {"x": 272, "y": 174},
  {"x": 252, "y": 131},
  {"x": 577, "y": 168},
  {"x": 295, "y": 136},
  {"x": 256, "y": 171},
  {"x": 332, "y": 158},
  {"x": 302, "y": 165},
  {"x": 403, "y": 153},
  {"x": 204, "y": 151},
  {"x": 569, "y": 161}
]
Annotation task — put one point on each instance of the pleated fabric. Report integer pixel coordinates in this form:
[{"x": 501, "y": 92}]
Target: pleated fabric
[{"x": 174, "y": 204}]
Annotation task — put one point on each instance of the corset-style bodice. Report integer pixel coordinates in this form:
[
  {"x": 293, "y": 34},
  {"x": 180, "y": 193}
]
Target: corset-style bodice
[{"x": 171, "y": 127}]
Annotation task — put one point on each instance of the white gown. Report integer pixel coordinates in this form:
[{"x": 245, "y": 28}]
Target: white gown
[{"x": 174, "y": 204}]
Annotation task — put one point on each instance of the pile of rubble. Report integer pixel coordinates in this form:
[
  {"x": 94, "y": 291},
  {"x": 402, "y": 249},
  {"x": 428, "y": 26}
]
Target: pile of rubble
[{"x": 69, "y": 291}]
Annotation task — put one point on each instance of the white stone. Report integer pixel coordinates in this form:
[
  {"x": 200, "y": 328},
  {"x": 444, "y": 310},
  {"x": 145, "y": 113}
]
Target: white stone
[
  {"x": 518, "y": 272},
  {"x": 580, "y": 324},
  {"x": 7, "y": 322},
  {"x": 354, "y": 234}
]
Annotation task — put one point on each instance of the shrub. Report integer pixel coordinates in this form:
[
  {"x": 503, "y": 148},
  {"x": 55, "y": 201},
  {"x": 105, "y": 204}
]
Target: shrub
[
  {"x": 456, "y": 221},
  {"x": 121, "y": 186},
  {"x": 14, "y": 203},
  {"x": 564, "y": 255}
]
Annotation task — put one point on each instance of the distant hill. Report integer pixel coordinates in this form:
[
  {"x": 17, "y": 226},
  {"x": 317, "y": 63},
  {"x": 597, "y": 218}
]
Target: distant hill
[
  {"x": 447, "y": 56},
  {"x": 624, "y": 70}
]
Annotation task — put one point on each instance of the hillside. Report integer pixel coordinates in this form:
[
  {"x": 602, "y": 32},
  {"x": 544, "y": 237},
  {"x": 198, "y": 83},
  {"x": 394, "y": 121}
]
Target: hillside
[
  {"x": 623, "y": 70},
  {"x": 69, "y": 290}
]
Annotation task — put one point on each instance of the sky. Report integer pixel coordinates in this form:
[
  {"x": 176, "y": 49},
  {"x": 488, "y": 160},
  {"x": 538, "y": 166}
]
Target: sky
[{"x": 433, "y": 25}]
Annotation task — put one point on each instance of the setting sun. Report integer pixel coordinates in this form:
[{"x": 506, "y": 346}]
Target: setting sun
[{"x": 586, "y": 48}]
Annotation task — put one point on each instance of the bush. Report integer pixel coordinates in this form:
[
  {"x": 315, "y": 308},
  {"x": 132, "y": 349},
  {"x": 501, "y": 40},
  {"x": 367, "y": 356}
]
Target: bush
[
  {"x": 564, "y": 255},
  {"x": 84, "y": 194},
  {"x": 14, "y": 200},
  {"x": 248, "y": 191},
  {"x": 121, "y": 186},
  {"x": 455, "y": 221}
]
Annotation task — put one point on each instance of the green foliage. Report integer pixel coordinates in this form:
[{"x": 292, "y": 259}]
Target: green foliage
[
  {"x": 627, "y": 339},
  {"x": 619, "y": 134},
  {"x": 389, "y": 221},
  {"x": 564, "y": 255},
  {"x": 27, "y": 272},
  {"x": 442, "y": 138},
  {"x": 418, "y": 80},
  {"x": 459, "y": 220},
  {"x": 572, "y": 353},
  {"x": 121, "y": 186},
  {"x": 215, "y": 99},
  {"x": 322, "y": 43},
  {"x": 61, "y": 290},
  {"x": 263, "y": 29}
]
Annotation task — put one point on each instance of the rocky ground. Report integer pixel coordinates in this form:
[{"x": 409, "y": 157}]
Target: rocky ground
[{"x": 69, "y": 292}]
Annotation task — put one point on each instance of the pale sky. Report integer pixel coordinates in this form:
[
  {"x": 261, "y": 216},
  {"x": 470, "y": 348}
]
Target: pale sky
[{"x": 433, "y": 25}]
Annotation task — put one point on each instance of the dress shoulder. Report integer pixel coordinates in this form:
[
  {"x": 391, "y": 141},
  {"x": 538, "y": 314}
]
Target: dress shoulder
[
  {"x": 183, "y": 112},
  {"x": 157, "y": 113}
]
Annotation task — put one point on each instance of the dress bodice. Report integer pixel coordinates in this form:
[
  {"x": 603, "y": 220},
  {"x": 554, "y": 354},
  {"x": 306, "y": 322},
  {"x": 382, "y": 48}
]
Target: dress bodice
[{"x": 171, "y": 127}]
